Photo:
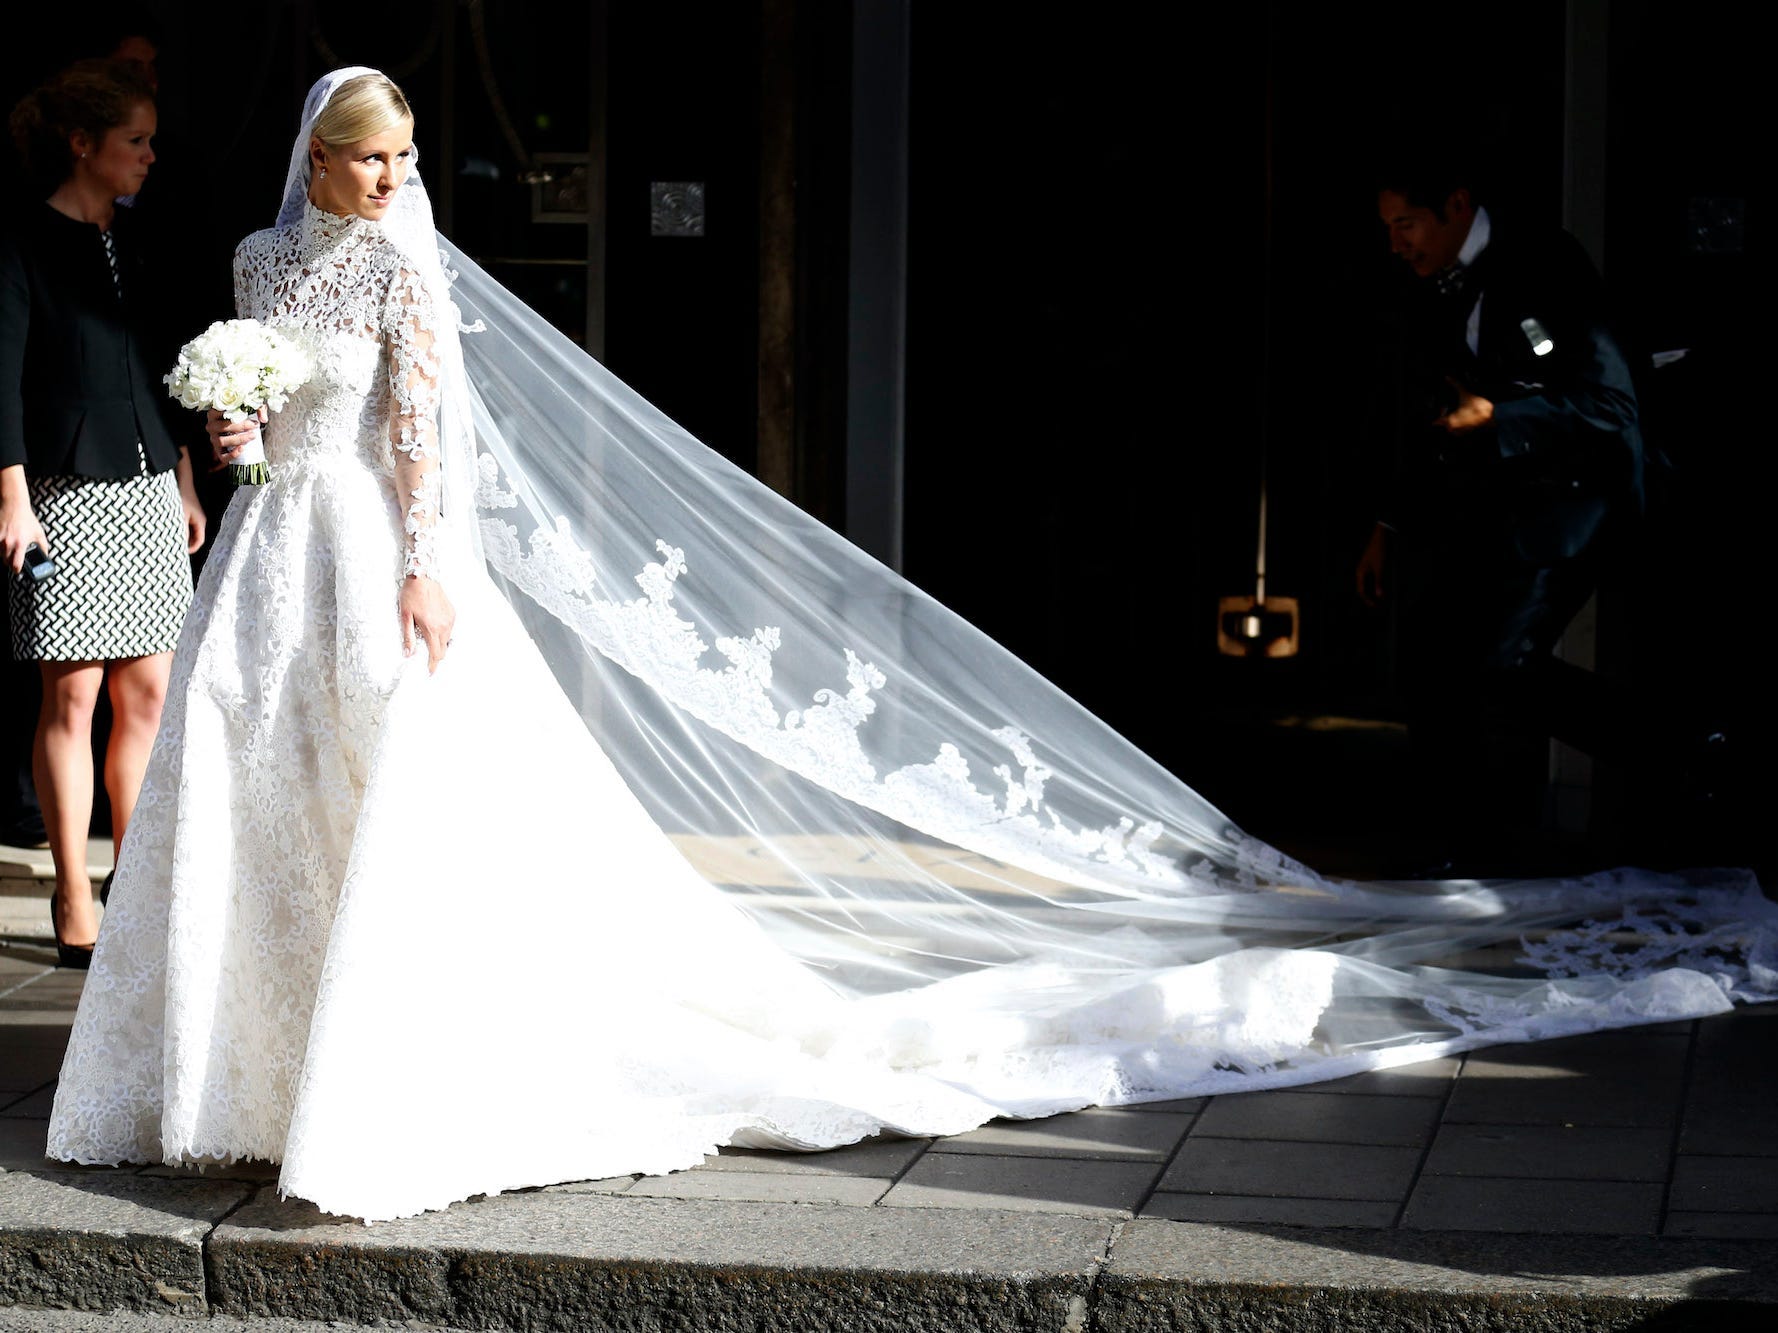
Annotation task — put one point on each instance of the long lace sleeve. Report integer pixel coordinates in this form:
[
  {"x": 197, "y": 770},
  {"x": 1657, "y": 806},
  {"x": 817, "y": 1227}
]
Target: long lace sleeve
[
  {"x": 413, "y": 415},
  {"x": 240, "y": 270}
]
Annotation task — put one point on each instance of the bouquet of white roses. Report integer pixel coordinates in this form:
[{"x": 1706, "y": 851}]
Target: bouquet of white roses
[{"x": 237, "y": 367}]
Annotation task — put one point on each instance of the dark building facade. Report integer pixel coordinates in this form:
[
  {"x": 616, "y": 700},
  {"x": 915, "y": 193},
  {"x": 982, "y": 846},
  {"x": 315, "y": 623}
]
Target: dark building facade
[{"x": 1028, "y": 299}]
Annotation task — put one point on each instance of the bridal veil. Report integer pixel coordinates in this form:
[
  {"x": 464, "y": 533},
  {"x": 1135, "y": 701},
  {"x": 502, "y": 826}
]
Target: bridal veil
[{"x": 1003, "y": 884}]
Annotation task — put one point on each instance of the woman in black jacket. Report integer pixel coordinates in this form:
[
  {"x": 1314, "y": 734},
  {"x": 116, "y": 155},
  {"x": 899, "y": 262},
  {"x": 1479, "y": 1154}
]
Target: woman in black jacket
[{"x": 89, "y": 470}]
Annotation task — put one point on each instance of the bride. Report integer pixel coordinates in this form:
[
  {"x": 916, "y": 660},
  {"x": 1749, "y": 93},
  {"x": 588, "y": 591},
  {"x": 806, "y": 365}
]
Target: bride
[{"x": 463, "y": 863}]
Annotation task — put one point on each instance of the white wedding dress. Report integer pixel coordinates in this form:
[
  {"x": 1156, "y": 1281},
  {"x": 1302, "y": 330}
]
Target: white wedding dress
[
  {"x": 418, "y": 936},
  {"x": 345, "y": 934}
]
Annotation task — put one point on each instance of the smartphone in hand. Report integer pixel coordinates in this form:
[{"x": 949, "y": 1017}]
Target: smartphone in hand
[{"x": 38, "y": 565}]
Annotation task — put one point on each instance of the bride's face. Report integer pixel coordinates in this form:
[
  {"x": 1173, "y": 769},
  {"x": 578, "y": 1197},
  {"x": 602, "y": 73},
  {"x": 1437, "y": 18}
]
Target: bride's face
[{"x": 362, "y": 177}]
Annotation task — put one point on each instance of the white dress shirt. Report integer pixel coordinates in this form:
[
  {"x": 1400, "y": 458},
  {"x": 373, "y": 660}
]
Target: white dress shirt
[{"x": 1480, "y": 231}]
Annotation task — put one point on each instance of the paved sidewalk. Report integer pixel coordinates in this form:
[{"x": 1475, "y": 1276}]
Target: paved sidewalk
[{"x": 1596, "y": 1182}]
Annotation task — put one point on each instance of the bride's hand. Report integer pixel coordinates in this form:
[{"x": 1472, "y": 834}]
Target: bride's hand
[
  {"x": 228, "y": 438},
  {"x": 426, "y": 613}
]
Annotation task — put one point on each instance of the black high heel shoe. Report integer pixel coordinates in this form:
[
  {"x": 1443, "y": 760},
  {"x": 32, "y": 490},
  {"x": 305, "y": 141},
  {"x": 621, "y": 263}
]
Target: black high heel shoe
[{"x": 78, "y": 957}]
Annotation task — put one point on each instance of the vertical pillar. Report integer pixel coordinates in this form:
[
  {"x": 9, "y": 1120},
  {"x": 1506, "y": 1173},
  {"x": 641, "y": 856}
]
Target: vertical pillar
[
  {"x": 1583, "y": 215},
  {"x": 876, "y": 321},
  {"x": 598, "y": 176},
  {"x": 441, "y": 181},
  {"x": 1584, "y": 126},
  {"x": 776, "y": 465}
]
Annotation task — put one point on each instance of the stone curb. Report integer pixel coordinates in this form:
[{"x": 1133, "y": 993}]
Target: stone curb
[
  {"x": 578, "y": 1261},
  {"x": 1168, "y": 1276},
  {"x": 564, "y": 1261},
  {"x": 91, "y": 1241}
]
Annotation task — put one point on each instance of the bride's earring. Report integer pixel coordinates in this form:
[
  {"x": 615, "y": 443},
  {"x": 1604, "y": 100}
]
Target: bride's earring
[{"x": 323, "y": 173}]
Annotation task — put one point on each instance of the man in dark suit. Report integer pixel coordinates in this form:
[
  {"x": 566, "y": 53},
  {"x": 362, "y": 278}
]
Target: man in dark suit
[{"x": 1527, "y": 470}]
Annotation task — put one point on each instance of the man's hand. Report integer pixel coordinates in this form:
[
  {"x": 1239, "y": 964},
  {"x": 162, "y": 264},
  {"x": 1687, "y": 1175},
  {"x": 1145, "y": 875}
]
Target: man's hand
[
  {"x": 426, "y": 613},
  {"x": 1471, "y": 413},
  {"x": 1371, "y": 567}
]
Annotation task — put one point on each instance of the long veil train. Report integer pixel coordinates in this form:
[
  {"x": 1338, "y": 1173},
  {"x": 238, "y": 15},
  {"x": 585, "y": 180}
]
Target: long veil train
[
  {"x": 901, "y": 802},
  {"x": 1011, "y": 891}
]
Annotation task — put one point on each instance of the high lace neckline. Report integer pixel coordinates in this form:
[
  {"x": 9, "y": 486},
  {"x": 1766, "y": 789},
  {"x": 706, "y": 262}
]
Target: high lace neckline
[{"x": 322, "y": 231}]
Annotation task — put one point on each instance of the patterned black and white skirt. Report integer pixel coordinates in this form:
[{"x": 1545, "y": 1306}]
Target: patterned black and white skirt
[{"x": 123, "y": 578}]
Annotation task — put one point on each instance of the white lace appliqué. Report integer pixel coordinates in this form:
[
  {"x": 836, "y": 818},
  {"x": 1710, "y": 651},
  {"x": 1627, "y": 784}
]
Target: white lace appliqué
[
  {"x": 648, "y": 636},
  {"x": 1717, "y": 933},
  {"x": 339, "y": 285}
]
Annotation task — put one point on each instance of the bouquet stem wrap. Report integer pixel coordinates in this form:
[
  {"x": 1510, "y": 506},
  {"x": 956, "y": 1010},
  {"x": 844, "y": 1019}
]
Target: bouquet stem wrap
[{"x": 250, "y": 467}]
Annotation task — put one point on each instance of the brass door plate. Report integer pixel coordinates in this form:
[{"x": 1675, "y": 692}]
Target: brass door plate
[{"x": 1248, "y": 627}]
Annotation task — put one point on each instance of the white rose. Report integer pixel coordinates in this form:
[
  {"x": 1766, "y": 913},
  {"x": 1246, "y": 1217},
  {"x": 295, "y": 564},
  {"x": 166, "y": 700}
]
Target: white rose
[{"x": 230, "y": 394}]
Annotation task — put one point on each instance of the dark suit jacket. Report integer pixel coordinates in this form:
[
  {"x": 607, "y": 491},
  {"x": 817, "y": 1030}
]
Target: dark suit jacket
[
  {"x": 80, "y": 370},
  {"x": 1563, "y": 457}
]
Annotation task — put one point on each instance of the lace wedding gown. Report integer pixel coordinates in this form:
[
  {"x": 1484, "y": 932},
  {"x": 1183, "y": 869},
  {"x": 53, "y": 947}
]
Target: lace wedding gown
[
  {"x": 418, "y": 936},
  {"x": 339, "y": 937}
]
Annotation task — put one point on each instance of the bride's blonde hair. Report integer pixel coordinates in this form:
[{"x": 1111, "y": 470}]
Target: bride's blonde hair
[{"x": 361, "y": 107}]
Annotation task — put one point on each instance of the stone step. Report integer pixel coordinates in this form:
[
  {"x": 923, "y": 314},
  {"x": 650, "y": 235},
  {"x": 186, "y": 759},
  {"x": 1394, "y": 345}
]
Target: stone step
[
  {"x": 27, "y": 874},
  {"x": 559, "y": 1259},
  {"x": 23, "y": 868}
]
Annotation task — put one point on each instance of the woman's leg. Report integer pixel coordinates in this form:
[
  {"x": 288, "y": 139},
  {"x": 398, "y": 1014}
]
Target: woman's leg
[
  {"x": 64, "y": 769},
  {"x": 138, "y": 689}
]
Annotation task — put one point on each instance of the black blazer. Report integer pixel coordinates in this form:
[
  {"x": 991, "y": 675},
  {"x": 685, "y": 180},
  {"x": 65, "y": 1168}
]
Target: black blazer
[
  {"x": 80, "y": 370},
  {"x": 1563, "y": 455}
]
